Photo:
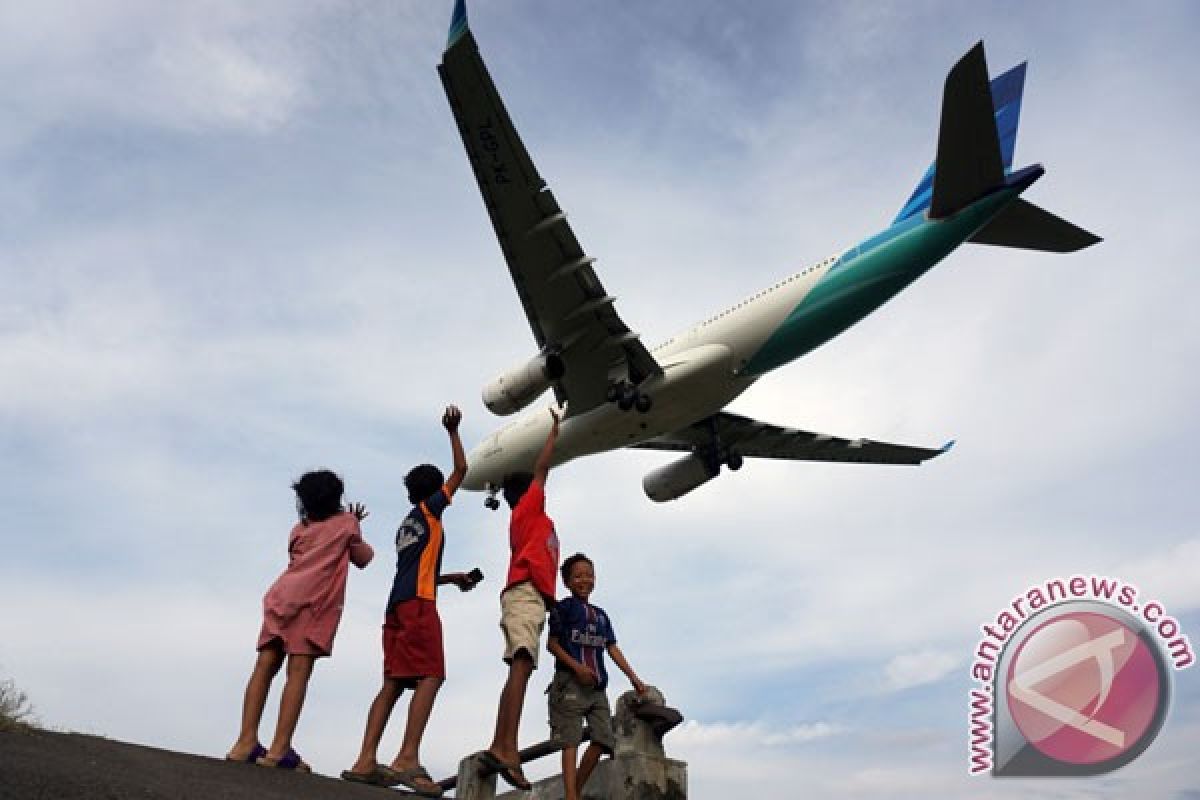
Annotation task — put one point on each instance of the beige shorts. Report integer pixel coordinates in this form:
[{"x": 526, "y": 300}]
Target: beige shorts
[{"x": 522, "y": 618}]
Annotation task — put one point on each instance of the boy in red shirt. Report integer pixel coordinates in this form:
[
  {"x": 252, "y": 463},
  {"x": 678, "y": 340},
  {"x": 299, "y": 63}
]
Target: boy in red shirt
[{"x": 528, "y": 594}]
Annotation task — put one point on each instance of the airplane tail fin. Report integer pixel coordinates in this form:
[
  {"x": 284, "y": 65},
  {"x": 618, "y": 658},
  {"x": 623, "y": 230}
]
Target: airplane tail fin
[
  {"x": 977, "y": 138},
  {"x": 976, "y": 141}
]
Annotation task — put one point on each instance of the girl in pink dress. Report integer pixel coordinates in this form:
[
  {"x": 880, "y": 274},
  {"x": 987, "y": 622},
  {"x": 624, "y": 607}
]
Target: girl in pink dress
[{"x": 301, "y": 612}]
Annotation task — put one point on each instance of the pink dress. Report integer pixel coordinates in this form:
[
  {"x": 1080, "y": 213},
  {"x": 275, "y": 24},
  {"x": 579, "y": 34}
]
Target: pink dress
[{"x": 304, "y": 605}]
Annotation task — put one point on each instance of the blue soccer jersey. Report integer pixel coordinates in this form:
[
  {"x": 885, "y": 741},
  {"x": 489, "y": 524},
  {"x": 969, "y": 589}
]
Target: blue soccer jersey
[{"x": 584, "y": 631}]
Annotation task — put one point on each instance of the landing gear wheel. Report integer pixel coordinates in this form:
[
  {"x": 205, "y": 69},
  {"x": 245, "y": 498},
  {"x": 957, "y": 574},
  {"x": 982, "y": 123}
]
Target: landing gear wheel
[
  {"x": 490, "y": 502},
  {"x": 643, "y": 403},
  {"x": 627, "y": 397},
  {"x": 734, "y": 461}
]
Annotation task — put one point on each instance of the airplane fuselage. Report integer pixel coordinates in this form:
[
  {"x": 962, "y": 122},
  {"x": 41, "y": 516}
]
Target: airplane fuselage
[{"x": 710, "y": 364}]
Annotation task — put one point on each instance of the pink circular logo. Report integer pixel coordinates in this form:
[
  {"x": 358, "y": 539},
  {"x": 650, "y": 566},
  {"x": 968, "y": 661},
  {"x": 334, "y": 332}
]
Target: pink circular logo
[{"x": 1084, "y": 688}]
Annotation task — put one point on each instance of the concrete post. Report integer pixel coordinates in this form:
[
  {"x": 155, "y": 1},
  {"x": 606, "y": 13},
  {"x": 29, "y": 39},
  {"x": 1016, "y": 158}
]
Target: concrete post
[
  {"x": 472, "y": 783},
  {"x": 638, "y": 770}
]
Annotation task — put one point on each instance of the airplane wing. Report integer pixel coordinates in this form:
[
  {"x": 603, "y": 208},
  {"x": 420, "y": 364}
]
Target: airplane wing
[
  {"x": 568, "y": 309},
  {"x": 755, "y": 439}
]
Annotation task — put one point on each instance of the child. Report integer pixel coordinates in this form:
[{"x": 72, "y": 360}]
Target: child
[
  {"x": 580, "y": 633},
  {"x": 528, "y": 593},
  {"x": 301, "y": 612},
  {"x": 412, "y": 630}
]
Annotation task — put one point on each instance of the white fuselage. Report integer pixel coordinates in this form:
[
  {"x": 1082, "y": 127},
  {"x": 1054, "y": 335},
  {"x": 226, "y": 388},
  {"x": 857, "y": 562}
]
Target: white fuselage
[{"x": 702, "y": 373}]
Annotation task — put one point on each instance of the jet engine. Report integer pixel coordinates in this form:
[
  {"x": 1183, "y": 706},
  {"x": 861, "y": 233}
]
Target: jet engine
[
  {"x": 519, "y": 387},
  {"x": 677, "y": 478}
]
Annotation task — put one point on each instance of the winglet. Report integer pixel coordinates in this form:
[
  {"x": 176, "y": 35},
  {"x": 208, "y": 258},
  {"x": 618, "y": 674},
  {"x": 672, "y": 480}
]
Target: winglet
[
  {"x": 458, "y": 23},
  {"x": 946, "y": 447}
]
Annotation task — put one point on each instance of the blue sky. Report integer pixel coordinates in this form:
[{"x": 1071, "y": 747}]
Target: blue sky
[{"x": 242, "y": 242}]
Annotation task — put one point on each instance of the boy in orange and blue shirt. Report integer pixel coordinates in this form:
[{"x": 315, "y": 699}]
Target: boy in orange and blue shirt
[{"x": 413, "y": 656}]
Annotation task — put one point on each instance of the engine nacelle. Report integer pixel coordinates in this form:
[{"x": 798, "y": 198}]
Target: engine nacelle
[
  {"x": 677, "y": 478},
  {"x": 519, "y": 387}
]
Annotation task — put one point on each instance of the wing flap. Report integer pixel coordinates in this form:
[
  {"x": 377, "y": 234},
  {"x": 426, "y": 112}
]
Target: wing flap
[{"x": 755, "y": 439}]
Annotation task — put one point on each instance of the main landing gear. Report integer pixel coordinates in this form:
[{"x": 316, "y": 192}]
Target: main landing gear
[
  {"x": 627, "y": 397},
  {"x": 716, "y": 455}
]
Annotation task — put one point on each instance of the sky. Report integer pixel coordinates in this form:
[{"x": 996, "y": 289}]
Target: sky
[{"x": 242, "y": 241}]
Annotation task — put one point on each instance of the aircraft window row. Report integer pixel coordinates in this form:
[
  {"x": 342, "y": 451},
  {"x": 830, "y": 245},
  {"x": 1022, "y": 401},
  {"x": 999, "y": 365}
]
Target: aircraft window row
[{"x": 787, "y": 280}]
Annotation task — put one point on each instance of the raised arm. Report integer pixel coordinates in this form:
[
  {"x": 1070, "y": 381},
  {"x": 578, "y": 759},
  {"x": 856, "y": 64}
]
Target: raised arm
[
  {"x": 450, "y": 420},
  {"x": 541, "y": 467},
  {"x": 361, "y": 553}
]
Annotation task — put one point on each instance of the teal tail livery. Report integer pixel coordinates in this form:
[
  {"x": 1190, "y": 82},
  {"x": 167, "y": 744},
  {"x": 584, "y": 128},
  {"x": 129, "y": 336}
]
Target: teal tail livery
[
  {"x": 975, "y": 153},
  {"x": 613, "y": 392}
]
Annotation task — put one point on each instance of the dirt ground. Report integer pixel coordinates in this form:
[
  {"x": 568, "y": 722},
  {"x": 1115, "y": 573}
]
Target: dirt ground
[{"x": 39, "y": 765}]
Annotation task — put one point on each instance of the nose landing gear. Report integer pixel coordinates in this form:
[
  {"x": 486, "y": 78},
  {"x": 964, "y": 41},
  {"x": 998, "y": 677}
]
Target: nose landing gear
[{"x": 490, "y": 502}]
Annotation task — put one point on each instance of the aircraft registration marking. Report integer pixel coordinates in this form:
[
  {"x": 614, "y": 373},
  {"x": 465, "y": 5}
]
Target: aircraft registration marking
[{"x": 490, "y": 143}]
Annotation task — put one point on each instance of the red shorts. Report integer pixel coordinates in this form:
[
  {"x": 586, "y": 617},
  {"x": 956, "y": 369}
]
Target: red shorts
[{"x": 412, "y": 642}]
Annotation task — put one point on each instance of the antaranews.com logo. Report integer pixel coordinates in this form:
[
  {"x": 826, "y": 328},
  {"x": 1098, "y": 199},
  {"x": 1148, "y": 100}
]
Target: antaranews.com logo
[{"x": 1073, "y": 679}]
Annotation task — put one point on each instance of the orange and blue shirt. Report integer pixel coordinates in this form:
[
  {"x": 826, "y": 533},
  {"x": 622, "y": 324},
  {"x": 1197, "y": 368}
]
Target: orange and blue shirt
[
  {"x": 419, "y": 545},
  {"x": 584, "y": 631}
]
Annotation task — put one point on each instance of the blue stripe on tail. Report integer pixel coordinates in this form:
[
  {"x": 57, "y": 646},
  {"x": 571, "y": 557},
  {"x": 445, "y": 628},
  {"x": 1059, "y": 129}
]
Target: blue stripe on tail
[
  {"x": 1006, "y": 99},
  {"x": 458, "y": 23}
]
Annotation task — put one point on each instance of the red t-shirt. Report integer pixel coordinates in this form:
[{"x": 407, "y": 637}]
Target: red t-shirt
[{"x": 534, "y": 544}]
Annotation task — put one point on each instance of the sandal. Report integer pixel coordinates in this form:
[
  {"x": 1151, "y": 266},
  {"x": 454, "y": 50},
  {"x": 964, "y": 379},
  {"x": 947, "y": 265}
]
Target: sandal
[
  {"x": 511, "y": 773},
  {"x": 373, "y": 778},
  {"x": 255, "y": 754},
  {"x": 291, "y": 760},
  {"x": 415, "y": 778}
]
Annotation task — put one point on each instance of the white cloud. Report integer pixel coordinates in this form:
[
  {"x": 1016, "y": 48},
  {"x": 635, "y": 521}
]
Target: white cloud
[
  {"x": 1167, "y": 574},
  {"x": 908, "y": 670},
  {"x": 694, "y": 735},
  {"x": 193, "y": 320},
  {"x": 215, "y": 83}
]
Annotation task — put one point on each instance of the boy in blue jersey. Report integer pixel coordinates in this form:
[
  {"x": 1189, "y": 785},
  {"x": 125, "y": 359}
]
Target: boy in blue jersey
[
  {"x": 413, "y": 657},
  {"x": 580, "y": 634}
]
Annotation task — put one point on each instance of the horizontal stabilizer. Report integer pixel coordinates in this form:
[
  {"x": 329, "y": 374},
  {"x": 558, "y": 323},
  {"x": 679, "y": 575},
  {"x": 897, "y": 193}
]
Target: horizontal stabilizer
[
  {"x": 1022, "y": 224},
  {"x": 969, "y": 162}
]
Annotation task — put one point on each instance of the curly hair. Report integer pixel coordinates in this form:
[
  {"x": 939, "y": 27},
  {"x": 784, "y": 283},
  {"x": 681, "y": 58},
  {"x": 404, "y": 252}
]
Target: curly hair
[
  {"x": 571, "y": 562},
  {"x": 514, "y": 485},
  {"x": 318, "y": 495},
  {"x": 422, "y": 481}
]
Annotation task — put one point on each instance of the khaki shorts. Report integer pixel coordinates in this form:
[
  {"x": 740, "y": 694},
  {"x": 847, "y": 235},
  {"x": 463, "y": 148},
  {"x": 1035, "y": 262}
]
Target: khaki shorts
[
  {"x": 522, "y": 618},
  {"x": 570, "y": 702}
]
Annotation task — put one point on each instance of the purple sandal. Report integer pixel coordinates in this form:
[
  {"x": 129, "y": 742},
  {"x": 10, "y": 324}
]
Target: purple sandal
[
  {"x": 291, "y": 760},
  {"x": 258, "y": 752}
]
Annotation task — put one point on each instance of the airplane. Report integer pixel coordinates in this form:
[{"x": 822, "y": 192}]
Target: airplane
[{"x": 613, "y": 392}]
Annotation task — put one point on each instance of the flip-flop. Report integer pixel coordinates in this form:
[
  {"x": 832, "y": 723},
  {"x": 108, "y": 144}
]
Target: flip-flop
[
  {"x": 373, "y": 778},
  {"x": 258, "y": 752},
  {"x": 291, "y": 760},
  {"x": 511, "y": 773},
  {"x": 410, "y": 779}
]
